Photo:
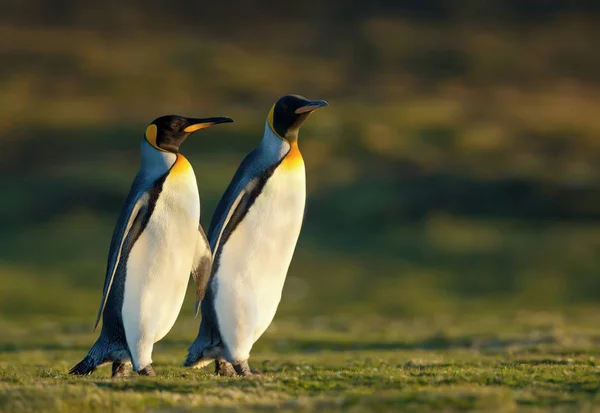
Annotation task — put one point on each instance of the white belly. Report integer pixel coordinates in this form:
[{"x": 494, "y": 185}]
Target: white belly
[
  {"x": 159, "y": 263},
  {"x": 255, "y": 259}
]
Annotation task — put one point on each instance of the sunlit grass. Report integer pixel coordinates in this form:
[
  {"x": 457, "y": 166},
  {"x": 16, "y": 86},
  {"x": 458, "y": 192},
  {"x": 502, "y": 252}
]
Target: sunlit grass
[{"x": 505, "y": 362}]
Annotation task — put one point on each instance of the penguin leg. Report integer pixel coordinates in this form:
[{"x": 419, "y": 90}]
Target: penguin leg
[
  {"x": 140, "y": 347},
  {"x": 120, "y": 369},
  {"x": 147, "y": 371},
  {"x": 224, "y": 368},
  {"x": 242, "y": 368}
]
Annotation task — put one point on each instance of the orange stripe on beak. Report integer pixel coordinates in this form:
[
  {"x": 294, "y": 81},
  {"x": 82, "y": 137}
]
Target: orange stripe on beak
[{"x": 197, "y": 127}]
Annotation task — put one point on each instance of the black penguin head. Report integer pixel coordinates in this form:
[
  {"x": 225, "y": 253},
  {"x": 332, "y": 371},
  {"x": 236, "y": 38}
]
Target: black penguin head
[
  {"x": 167, "y": 133},
  {"x": 288, "y": 114}
]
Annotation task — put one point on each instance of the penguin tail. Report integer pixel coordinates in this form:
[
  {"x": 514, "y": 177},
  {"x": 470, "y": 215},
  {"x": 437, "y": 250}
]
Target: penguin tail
[
  {"x": 200, "y": 356},
  {"x": 190, "y": 360},
  {"x": 197, "y": 362},
  {"x": 208, "y": 345},
  {"x": 194, "y": 354},
  {"x": 97, "y": 356},
  {"x": 84, "y": 367}
]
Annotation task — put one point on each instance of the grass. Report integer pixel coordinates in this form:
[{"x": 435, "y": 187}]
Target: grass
[{"x": 514, "y": 361}]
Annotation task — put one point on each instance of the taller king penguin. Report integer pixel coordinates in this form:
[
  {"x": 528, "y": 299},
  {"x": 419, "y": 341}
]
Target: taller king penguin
[
  {"x": 253, "y": 234},
  {"x": 156, "y": 244}
]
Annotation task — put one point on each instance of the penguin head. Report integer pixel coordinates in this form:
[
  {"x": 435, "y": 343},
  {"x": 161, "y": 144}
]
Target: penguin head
[
  {"x": 288, "y": 114},
  {"x": 167, "y": 133}
]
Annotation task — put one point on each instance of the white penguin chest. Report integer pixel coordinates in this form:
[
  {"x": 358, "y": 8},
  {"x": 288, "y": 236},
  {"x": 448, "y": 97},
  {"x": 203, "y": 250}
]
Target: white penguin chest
[
  {"x": 160, "y": 261},
  {"x": 262, "y": 245},
  {"x": 255, "y": 259}
]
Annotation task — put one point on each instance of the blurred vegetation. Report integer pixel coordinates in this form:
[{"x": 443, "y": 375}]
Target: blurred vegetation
[{"x": 456, "y": 168}]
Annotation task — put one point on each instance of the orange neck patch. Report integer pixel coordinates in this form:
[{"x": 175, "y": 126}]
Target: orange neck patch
[
  {"x": 180, "y": 166},
  {"x": 293, "y": 158}
]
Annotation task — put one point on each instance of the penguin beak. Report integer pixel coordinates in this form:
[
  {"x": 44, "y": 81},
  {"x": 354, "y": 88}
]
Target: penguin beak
[
  {"x": 197, "y": 124},
  {"x": 310, "y": 106}
]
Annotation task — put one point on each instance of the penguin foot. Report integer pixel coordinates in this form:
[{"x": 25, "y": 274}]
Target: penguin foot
[
  {"x": 242, "y": 368},
  {"x": 120, "y": 370},
  {"x": 224, "y": 368},
  {"x": 147, "y": 371}
]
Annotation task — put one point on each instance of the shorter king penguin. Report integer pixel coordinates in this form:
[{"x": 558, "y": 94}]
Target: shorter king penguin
[
  {"x": 253, "y": 234},
  {"x": 156, "y": 244}
]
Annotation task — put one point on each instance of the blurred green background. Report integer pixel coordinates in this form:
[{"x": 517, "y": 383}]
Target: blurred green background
[{"x": 456, "y": 169}]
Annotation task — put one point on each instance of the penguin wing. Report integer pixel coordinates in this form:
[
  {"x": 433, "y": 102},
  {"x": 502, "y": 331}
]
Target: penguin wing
[
  {"x": 134, "y": 216},
  {"x": 239, "y": 207},
  {"x": 233, "y": 211},
  {"x": 201, "y": 268},
  {"x": 247, "y": 183},
  {"x": 243, "y": 183}
]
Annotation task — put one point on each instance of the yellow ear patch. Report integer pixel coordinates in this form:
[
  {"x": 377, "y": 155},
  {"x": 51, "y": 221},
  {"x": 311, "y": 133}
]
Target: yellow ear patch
[
  {"x": 197, "y": 126},
  {"x": 270, "y": 116},
  {"x": 151, "y": 134}
]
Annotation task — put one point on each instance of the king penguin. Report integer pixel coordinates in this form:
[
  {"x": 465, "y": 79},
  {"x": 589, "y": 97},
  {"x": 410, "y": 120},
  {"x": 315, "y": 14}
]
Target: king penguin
[
  {"x": 253, "y": 234},
  {"x": 156, "y": 244}
]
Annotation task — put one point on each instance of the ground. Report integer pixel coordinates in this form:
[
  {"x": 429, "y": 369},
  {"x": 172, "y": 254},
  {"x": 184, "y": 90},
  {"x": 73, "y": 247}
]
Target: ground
[{"x": 516, "y": 361}]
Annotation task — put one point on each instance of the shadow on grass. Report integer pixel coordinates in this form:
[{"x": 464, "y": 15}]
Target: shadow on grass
[
  {"x": 190, "y": 386},
  {"x": 435, "y": 342},
  {"x": 16, "y": 348},
  {"x": 589, "y": 385},
  {"x": 484, "y": 343},
  {"x": 539, "y": 362}
]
